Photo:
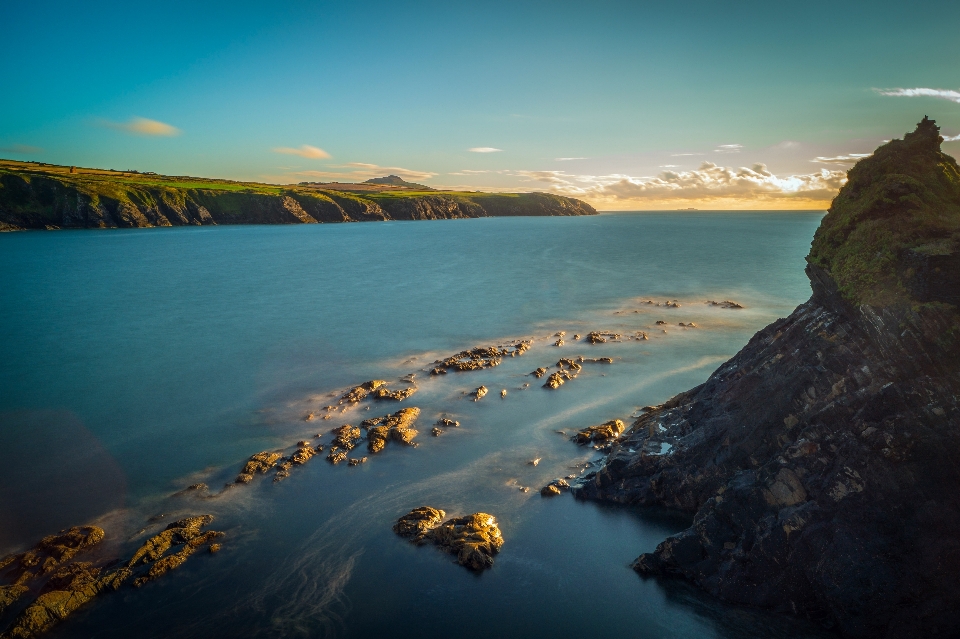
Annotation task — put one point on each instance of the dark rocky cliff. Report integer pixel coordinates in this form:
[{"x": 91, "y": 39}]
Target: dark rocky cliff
[
  {"x": 823, "y": 460},
  {"x": 32, "y": 198}
]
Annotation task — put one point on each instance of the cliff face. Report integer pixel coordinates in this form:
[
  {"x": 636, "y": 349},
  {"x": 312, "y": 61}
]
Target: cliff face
[
  {"x": 41, "y": 199},
  {"x": 823, "y": 460}
]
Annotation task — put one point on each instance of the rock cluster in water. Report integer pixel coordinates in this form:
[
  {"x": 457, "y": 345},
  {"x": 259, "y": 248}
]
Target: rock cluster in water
[
  {"x": 63, "y": 585},
  {"x": 474, "y": 539},
  {"x": 821, "y": 461},
  {"x": 479, "y": 358},
  {"x": 397, "y": 427}
]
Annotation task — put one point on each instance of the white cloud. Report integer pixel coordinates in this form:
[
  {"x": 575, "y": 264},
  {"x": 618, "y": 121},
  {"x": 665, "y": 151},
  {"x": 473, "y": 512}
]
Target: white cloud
[
  {"x": 305, "y": 151},
  {"x": 720, "y": 185},
  {"x": 360, "y": 171},
  {"x": 568, "y": 159},
  {"x": 787, "y": 144},
  {"x": 143, "y": 126},
  {"x": 484, "y": 149},
  {"x": 946, "y": 94},
  {"x": 851, "y": 158},
  {"x": 728, "y": 148},
  {"x": 952, "y": 138},
  {"x": 680, "y": 155}
]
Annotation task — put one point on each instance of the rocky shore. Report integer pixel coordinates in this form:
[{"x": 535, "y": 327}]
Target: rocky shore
[{"x": 822, "y": 461}]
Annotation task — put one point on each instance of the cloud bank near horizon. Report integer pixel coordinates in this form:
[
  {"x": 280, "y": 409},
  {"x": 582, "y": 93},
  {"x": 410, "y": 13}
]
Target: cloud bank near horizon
[{"x": 709, "y": 184}]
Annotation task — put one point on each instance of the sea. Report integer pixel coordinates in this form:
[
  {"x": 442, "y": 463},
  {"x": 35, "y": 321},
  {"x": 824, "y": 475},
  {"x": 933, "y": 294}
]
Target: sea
[{"x": 134, "y": 363}]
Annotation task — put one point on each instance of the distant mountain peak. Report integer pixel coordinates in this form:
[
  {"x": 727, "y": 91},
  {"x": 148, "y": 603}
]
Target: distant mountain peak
[{"x": 396, "y": 180}]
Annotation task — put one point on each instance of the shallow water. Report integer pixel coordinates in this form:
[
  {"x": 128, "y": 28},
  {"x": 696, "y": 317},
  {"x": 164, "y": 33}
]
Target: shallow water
[{"x": 136, "y": 362}]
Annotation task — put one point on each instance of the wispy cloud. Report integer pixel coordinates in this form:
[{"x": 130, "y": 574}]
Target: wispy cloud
[
  {"x": 952, "y": 138},
  {"x": 359, "y": 171},
  {"x": 143, "y": 126},
  {"x": 851, "y": 158},
  {"x": 484, "y": 149},
  {"x": 945, "y": 94},
  {"x": 681, "y": 155},
  {"x": 708, "y": 183},
  {"x": 20, "y": 149},
  {"x": 787, "y": 144},
  {"x": 568, "y": 159},
  {"x": 728, "y": 148},
  {"x": 305, "y": 151}
]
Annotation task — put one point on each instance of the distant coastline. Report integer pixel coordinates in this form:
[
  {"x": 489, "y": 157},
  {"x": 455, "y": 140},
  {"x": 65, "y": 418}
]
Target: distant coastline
[{"x": 47, "y": 196}]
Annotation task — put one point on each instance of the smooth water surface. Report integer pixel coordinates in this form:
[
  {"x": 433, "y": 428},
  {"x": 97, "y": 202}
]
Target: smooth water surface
[{"x": 136, "y": 362}]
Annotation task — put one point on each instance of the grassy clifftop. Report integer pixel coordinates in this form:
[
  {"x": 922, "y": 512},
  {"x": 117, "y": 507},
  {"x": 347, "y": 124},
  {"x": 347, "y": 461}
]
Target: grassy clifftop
[
  {"x": 46, "y": 196},
  {"x": 892, "y": 234}
]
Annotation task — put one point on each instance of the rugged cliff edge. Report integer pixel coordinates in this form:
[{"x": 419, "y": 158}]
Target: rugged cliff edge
[
  {"x": 823, "y": 460},
  {"x": 35, "y": 196}
]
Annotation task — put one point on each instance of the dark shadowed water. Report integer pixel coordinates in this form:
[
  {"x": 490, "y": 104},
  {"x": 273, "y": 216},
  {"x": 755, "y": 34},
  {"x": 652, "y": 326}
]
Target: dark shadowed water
[{"x": 137, "y": 362}]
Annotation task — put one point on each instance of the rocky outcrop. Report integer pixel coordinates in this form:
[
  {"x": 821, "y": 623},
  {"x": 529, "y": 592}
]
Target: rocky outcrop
[
  {"x": 600, "y": 433},
  {"x": 475, "y": 538},
  {"x": 398, "y": 427},
  {"x": 821, "y": 461},
  {"x": 70, "y": 585},
  {"x": 479, "y": 358},
  {"x": 258, "y": 463}
]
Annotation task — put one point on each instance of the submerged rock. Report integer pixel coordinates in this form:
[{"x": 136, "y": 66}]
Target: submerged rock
[
  {"x": 475, "y": 538},
  {"x": 725, "y": 304},
  {"x": 556, "y": 487},
  {"x": 602, "y": 432}
]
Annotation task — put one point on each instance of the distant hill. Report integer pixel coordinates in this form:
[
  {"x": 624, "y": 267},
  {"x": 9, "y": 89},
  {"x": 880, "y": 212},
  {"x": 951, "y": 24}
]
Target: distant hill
[{"x": 396, "y": 180}]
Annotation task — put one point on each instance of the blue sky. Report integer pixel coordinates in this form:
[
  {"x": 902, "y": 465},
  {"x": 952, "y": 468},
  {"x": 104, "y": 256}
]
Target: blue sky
[{"x": 659, "y": 105}]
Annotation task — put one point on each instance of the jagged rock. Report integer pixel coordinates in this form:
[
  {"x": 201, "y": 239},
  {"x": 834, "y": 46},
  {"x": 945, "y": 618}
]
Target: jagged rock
[
  {"x": 821, "y": 460},
  {"x": 397, "y": 395},
  {"x": 576, "y": 337},
  {"x": 357, "y": 461},
  {"x": 602, "y": 432},
  {"x": 358, "y": 393},
  {"x": 480, "y": 357},
  {"x": 418, "y": 522},
  {"x": 725, "y": 304},
  {"x": 549, "y": 491},
  {"x": 503, "y": 393},
  {"x": 347, "y": 437},
  {"x": 595, "y": 338},
  {"x": 336, "y": 455},
  {"x": 540, "y": 372},
  {"x": 396, "y": 426},
  {"x": 302, "y": 455},
  {"x": 479, "y": 393},
  {"x": 534, "y": 462},
  {"x": 50, "y": 552},
  {"x": 258, "y": 463},
  {"x": 170, "y": 562},
  {"x": 559, "y": 342},
  {"x": 446, "y": 423},
  {"x": 215, "y": 548},
  {"x": 436, "y": 432}
]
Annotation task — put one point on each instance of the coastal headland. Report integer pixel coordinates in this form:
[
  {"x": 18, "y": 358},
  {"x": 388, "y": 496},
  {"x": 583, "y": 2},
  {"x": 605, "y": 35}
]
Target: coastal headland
[
  {"x": 821, "y": 462},
  {"x": 47, "y": 196}
]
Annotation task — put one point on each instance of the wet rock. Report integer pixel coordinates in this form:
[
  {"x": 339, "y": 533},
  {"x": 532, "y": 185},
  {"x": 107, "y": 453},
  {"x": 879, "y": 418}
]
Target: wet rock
[
  {"x": 475, "y": 538},
  {"x": 549, "y": 491},
  {"x": 725, "y": 304},
  {"x": 418, "y": 522},
  {"x": 576, "y": 337},
  {"x": 447, "y": 423},
  {"x": 559, "y": 342},
  {"x": 540, "y": 372},
  {"x": 534, "y": 462},
  {"x": 358, "y": 393},
  {"x": 170, "y": 562},
  {"x": 595, "y": 338},
  {"x": 397, "y": 395},
  {"x": 602, "y": 432},
  {"x": 661, "y": 323},
  {"x": 503, "y": 392},
  {"x": 308, "y": 417},
  {"x": 258, "y": 463},
  {"x": 178, "y": 532},
  {"x": 302, "y": 455},
  {"x": 357, "y": 461},
  {"x": 50, "y": 552},
  {"x": 480, "y": 357},
  {"x": 436, "y": 432},
  {"x": 397, "y": 427},
  {"x": 347, "y": 437},
  {"x": 336, "y": 455},
  {"x": 479, "y": 393}
]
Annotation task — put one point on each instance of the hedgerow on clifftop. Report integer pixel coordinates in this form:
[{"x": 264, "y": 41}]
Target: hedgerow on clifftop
[{"x": 903, "y": 199}]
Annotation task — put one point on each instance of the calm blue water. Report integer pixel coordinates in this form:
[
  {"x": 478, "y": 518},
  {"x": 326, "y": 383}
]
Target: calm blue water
[{"x": 136, "y": 362}]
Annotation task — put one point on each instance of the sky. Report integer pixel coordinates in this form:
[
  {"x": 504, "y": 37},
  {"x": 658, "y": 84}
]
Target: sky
[{"x": 627, "y": 105}]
